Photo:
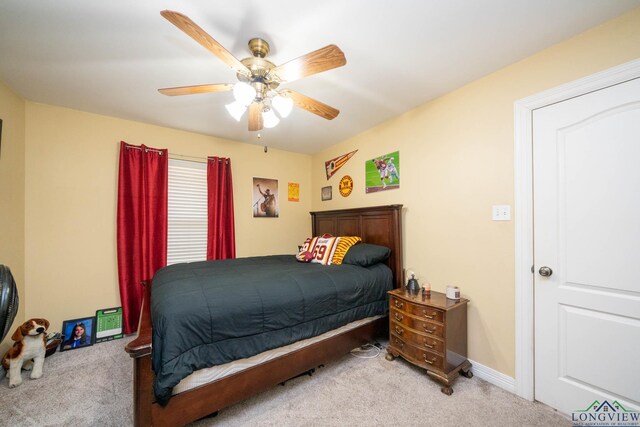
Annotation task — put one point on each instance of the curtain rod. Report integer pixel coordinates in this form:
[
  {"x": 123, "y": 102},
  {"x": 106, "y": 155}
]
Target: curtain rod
[
  {"x": 174, "y": 156},
  {"x": 184, "y": 157},
  {"x": 136, "y": 147},
  {"x": 196, "y": 159}
]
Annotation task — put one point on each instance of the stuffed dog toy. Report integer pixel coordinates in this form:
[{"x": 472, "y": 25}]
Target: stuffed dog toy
[{"x": 27, "y": 352}]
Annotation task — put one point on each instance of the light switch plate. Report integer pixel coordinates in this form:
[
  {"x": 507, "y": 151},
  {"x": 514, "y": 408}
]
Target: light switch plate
[{"x": 501, "y": 213}]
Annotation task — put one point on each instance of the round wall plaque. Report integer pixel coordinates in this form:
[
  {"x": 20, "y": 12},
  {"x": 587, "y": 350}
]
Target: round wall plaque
[{"x": 346, "y": 186}]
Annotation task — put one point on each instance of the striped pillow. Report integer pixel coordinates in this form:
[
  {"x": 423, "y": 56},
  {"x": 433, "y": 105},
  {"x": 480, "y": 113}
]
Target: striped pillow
[{"x": 344, "y": 243}]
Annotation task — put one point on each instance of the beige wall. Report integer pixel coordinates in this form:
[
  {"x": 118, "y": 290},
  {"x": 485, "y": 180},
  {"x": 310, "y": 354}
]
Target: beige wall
[
  {"x": 456, "y": 162},
  {"x": 12, "y": 195},
  {"x": 71, "y": 188}
]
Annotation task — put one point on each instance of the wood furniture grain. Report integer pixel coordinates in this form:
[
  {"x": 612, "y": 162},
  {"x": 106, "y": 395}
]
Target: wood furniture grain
[
  {"x": 430, "y": 333},
  {"x": 379, "y": 225}
]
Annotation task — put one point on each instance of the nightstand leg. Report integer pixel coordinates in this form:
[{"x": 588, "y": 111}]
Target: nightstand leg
[
  {"x": 390, "y": 357},
  {"x": 447, "y": 390},
  {"x": 465, "y": 369}
]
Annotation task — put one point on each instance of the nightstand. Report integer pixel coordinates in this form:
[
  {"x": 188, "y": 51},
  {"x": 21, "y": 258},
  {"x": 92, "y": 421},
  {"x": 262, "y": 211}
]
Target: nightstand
[{"x": 430, "y": 333}]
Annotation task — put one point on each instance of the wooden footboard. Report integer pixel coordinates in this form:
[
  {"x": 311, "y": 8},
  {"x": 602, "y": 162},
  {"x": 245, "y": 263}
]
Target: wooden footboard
[{"x": 380, "y": 225}]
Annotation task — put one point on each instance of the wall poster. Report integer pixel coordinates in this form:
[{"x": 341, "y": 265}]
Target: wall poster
[
  {"x": 294, "y": 192},
  {"x": 383, "y": 173},
  {"x": 265, "y": 198}
]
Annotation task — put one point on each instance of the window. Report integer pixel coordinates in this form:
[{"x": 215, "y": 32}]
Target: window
[{"x": 187, "y": 212}]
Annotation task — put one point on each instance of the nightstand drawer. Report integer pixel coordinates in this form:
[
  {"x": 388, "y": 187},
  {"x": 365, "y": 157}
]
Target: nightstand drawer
[
  {"x": 397, "y": 303},
  {"x": 399, "y": 316},
  {"x": 426, "y": 313},
  {"x": 416, "y": 323},
  {"x": 417, "y": 355},
  {"x": 423, "y": 341},
  {"x": 432, "y": 359},
  {"x": 399, "y": 344},
  {"x": 430, "y": 328}
]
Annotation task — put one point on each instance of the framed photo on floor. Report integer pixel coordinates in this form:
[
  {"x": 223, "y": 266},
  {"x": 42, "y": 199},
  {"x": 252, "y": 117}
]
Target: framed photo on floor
[
  {"x": 108, "y": 324},
  {"x": 78, "y": 333}
]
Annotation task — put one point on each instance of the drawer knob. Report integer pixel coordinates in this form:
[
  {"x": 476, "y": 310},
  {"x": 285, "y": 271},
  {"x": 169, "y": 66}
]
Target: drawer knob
[
  {"x": 399, "y": 317},
  {"x": 426, "y": 344},
  {"x": 433, "y": 314},
  {"x": 399, "y": 343},
  {"x": 430, "y": 362},
  {"x": 398, "y": 304},
  {"x": 427, "y": 329},
  {"x": 399, "y": 330}
]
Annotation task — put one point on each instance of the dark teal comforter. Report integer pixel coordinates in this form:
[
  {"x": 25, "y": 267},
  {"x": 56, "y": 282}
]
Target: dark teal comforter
[{"x": 212, "y": 312}]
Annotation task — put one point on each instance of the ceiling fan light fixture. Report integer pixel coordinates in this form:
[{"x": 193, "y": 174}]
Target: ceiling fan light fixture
[
  {"x": 236, "y": 109},
  {"x": 270, "y": 119},
  {"x": 244, "y": 93},
  {"x": 259, "y": 78},
  {"x": 283, "y": 105}
]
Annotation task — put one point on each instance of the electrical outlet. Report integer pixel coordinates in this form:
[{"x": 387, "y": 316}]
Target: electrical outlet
[{"x": 501, "y": 213}]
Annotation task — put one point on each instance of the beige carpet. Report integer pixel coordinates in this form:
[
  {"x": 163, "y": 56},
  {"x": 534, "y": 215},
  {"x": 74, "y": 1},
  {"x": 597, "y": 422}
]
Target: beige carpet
[{"x": 92, "y": 387}]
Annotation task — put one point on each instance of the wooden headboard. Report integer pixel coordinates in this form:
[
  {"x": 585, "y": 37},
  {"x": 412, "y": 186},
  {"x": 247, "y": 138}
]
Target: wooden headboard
[{"x": 380, "y": 225}]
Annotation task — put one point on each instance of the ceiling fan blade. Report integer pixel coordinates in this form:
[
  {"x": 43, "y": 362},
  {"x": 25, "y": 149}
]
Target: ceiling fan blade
[
  {"x": 190, "y": 90},
  {"x": 311, "y": 105},
  {"x": 201, "y": 36},
  {"x": 320, "y": 60},
  {"x": 255, "y": 116}
]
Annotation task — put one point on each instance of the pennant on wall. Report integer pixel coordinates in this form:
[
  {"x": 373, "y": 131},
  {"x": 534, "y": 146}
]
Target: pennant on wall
[{"x": 333, "y": 165}]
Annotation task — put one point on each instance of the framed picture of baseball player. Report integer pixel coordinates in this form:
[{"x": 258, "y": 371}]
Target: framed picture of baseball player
[
  {"x": 265, "y": 198},
  {"x": 382, "y": 173}
]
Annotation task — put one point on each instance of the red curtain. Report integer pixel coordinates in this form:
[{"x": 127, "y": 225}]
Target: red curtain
[
  {"x": 221, "y": 236},
  {"x": 142, "y": 224}
]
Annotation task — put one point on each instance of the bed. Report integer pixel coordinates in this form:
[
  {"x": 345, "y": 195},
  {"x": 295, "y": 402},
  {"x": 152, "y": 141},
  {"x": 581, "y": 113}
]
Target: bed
[{"x": 377, "y": 225}]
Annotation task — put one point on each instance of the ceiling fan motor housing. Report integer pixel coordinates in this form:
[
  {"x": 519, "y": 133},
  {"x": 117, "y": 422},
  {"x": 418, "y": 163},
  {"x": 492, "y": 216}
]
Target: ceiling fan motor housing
[
  {"x": 259, "y": 68},
  {"x": 259, "y": 47}
]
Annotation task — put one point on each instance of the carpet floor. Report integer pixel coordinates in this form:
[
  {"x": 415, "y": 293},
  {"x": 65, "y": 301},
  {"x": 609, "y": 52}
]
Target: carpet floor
[{"x": 92, "y": 387}]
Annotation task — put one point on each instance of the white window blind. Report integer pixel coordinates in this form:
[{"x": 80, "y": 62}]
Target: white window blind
[{"x": 187, "y": 212}]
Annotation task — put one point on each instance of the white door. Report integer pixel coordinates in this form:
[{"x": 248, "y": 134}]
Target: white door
[{"x": 586, "y": 165}]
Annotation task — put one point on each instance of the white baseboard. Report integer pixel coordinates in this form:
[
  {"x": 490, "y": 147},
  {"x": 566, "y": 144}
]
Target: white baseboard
[{"x": 494, "y": 377}]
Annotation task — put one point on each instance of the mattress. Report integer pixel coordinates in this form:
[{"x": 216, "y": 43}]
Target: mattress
[{"x": 210, "y": 313}]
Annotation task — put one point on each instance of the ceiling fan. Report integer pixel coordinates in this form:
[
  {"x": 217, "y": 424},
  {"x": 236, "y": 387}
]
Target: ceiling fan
[{"x": 259, "y": 79}]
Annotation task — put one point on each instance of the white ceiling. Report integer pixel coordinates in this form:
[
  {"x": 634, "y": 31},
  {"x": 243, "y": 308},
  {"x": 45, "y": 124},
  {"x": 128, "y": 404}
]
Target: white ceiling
[{"x": 110, "y": 57}]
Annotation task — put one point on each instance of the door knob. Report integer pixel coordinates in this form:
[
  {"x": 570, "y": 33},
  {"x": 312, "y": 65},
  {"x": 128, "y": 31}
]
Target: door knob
[{"x": 545, "y": 271}]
